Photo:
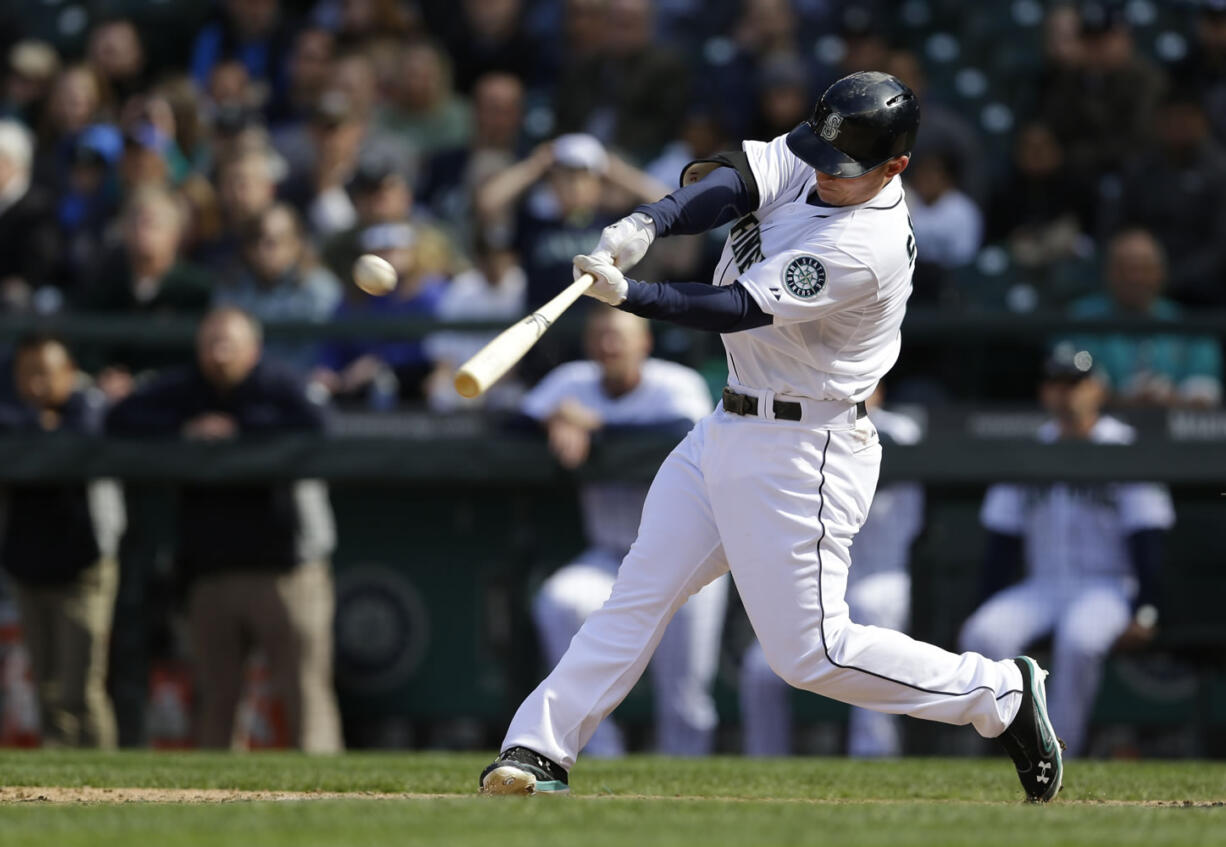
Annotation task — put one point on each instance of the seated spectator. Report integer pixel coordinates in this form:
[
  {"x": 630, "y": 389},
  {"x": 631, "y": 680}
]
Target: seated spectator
[
  {"x": 145, "y": 275},
  {"x": 310, "y": 63},
  {"x": 256, "y": 33},
  {"x": 76, "y": 101},
  {"x": 621, "y": 389},
  {"x": 488, "y": 36},
  {"x": 567, "y": 213},
  {"x": 1166, "y": 369},
  {"x": 59, "y": 544},
  {"x": 30, "y": 68},
  {"x": 1044, "y": 209},
  {"x": 115, "y": 51},
  {"x": 254, "y": 556},
  {"x": 948, "y": 225},
  {"x": 246, "y": 188},
  {"x": 1102, "y": 105},
  {"x": 86, "y": 208},
  {"x": 382, "y": 372},
  {"x": 29, "y": 242},
  {"x": 1187, "y": 215},
  {"x": 784, "y": 96},
  {"x": 630, "y": 93},
  {"x": 1204, "y": 68},
  {"x": 450, "y": 177},
  {"x": 1091, "y": 555},
  {"x": 280, "y": 281},
  {"x": 381, "y": 195},
  {"x": 424, "y": 112},
  {"x": 494, "y": 289},
  {"x": 878, "y": 593}
]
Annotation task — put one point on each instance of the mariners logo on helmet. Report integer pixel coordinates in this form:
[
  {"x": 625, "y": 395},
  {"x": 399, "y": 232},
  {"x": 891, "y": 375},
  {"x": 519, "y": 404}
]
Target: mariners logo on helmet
[
  {"x": 805, "y": 277},
  {"x": 830, "y": 128}
]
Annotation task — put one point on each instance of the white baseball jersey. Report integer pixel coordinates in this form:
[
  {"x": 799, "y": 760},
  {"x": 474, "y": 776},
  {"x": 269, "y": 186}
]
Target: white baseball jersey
[
  {"x": 667, "y": 392},
  {"x": 1078, "y": 531},
  {"x": 836, "y": 280}
]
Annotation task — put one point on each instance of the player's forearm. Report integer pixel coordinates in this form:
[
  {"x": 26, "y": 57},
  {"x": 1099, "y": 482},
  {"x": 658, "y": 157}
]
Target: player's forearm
[
  {"x": 1145, "y": 550},
  {"x": 696, "y": 305},
  {"x": 716, "y": 199}
]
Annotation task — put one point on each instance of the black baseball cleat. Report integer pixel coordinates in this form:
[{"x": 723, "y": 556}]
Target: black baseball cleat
[
  {"x": 1031, "y": 740},
  {"x": 522, "y": 771}
]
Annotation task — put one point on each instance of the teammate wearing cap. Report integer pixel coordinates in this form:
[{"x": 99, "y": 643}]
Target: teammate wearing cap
[
  {"x": 1091, "y": 555},
  {"x": 809, "y": 295}
]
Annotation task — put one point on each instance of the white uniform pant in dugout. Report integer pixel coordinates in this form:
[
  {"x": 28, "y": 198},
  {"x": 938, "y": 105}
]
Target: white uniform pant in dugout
[
  {"x": 682, "y": 670},
  {"x": 778, "y": 504}
]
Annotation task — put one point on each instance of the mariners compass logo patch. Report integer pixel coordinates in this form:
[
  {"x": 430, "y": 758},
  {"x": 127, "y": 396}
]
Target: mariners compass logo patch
[
  {"x": 805, "y": 277},
  {"x": 830, "y": 128}
]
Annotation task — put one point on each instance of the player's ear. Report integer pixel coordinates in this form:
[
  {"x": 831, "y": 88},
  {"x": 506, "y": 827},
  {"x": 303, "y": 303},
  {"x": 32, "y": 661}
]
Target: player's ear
[{"x": 897, "y": 165}]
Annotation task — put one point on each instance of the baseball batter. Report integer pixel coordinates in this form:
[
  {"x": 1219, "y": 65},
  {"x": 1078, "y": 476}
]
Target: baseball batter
[
  {"x": 809, "y": 297},
  {"x": 619, "y": 388},
  {"x": 1091, "y": 555}
]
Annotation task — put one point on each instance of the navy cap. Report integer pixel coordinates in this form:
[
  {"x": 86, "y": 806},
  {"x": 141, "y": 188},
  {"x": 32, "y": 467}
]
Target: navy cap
[{"x": 1068, "y": 364}]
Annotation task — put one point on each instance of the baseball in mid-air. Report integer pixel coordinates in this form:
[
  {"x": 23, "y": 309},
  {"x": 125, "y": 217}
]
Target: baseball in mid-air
[{"x": 374, "y": 275}]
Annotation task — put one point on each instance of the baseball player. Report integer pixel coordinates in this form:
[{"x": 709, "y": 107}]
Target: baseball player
[
  {"x": 617, "y": 389},
  {"x": 1091, "y": 555},
  {"x": 878, "y": 594},
  {"x": 809, "y": 296}
]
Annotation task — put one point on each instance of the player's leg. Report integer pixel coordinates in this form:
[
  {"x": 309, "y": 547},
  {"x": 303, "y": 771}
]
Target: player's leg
[
  {"x": 82, "y": 645},
  {"x": 766, "y": 708},
  {"x": 677, "y": 552},
  {"x": 788, "y": 501},
  {"x": 560, "y": 607},
  {"x": 1010, "y": 620},
  {"x": 308, "y": 597},
  {"x": 39, "y": 611},
  {"x": 1087, "y": 628},
  {"x": 683, "y": 671},
  {"x": 215, "y": 622},
  {"x": 884, "y": 600}
]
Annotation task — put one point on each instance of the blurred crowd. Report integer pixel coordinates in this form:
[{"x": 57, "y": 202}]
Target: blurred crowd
[{"x": 160, "y": 161}]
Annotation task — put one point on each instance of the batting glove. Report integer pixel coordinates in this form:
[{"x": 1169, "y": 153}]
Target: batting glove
[
  {"x": 625, "y": 243},
  {"x": 610, "y": 285}
]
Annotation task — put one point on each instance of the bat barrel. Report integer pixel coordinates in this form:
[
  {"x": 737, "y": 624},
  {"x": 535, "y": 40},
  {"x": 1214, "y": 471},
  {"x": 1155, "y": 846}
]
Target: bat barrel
[{"x": 493, "y": 360}]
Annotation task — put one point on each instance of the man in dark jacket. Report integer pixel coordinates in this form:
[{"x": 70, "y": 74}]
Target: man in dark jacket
[
  {"x": 254, "y": 555},
  {"x": 58, "y": 546}
]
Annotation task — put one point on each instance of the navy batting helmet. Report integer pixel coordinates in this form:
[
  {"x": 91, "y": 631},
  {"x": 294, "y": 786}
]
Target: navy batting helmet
[{"x": 861, "y": 121}]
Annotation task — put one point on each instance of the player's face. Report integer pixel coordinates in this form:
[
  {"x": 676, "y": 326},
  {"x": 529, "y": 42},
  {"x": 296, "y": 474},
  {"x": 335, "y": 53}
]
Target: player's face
[
  {"x": 851, "y": 191},
  {"x": 1073, "y": 402}
]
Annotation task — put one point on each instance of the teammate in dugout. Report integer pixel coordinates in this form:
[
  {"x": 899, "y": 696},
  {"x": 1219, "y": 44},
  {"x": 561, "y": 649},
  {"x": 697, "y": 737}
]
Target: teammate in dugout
[
  {"x": 1091, "y": 552},
  {"x": 809, "y": 296},
  {"x": 620, "y": 389}
]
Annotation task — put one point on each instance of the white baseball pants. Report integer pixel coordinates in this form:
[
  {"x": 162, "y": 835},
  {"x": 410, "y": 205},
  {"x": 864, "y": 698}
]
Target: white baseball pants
[
  {"x": 682, "y": 670},
  {"x": 1085, "y": 617},
  {"x": 879, "y": 599},
  {"x": 778, "y": 504}
]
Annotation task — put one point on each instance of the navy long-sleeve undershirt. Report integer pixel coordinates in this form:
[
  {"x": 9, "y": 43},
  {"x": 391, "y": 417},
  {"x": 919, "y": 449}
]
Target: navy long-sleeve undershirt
[
  {"x": 728, "y": 308},
  {"x": 719, "y": 197}
]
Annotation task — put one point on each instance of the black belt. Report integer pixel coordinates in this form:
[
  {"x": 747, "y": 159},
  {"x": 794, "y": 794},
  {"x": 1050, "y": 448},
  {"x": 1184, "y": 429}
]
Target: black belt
[{"x": 785, "y": 410}]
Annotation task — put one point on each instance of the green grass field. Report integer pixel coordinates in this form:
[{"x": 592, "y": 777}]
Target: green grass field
[{"x": 640, "y": 801}]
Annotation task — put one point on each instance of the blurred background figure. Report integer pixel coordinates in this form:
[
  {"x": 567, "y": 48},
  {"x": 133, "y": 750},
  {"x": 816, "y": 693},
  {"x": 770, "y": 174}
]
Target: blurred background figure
[
  {"x": 58, "y": 545},
  {"x": 620, "y": 389},
  {"x": 948, "y": 225},
  {"x": 878, "y": 593},
  {"x": 1171, "y": 369},
  {"x": 1089, "y": 555},
  {"x": 29, "y": 241},
  {"x": 255, "y": 557}
]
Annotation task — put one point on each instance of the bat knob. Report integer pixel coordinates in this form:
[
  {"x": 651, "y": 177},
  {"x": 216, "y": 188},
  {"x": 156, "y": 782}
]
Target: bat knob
[{"x": 466, "y": 385}]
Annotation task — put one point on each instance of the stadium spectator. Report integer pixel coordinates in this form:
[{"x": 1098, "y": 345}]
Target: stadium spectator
[
  {"x": 620, "y": 389},
  {"x": 116, "y": 53},
  {"x": 310, "y": 65},
  {"x": 784, "y": 96},
  {"x": 629, "y": 93},
  {"x": 450, "y": 177},
  {"x": 424, "y": 112},
  {"x": 1043, "y": 209},
  {"x": 30, "y": 68},
  {"x": 948, "y": 225},
  {"x": 1102, "y": 105},
  {"x": 29, "y": 242},
  {"x": 59, "y": 544},
  {"x": 76, "y": 100},
  {"x": 567, "y": 214},
  {"x": 1168, "y": 369},
  {"x": 363, "y": 24},
  {"x": 254, "y": 556},
  {"x": 878, "y": 593},
  {"x": 258, "y": 35},
  {"x": 381, "y": 372},
  {"x": 1204, "y": 69},
  {"x": 280, "y": 281},
  {"x": 488, "y": 36},
  {"x": 246, "y": 188},
  {"x": 86, "y": 208},
  {"x": 1090, "y": 555},
  {"x": 1187, "y": 216}
]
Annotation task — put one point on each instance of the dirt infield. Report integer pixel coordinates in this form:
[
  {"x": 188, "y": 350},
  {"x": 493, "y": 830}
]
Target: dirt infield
[{"x": 92, "y": 795}]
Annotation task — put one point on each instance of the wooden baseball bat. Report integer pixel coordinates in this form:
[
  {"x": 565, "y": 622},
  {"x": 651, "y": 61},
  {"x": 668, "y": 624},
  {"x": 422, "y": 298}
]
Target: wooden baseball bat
[{"x": 496, "y": 358}]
